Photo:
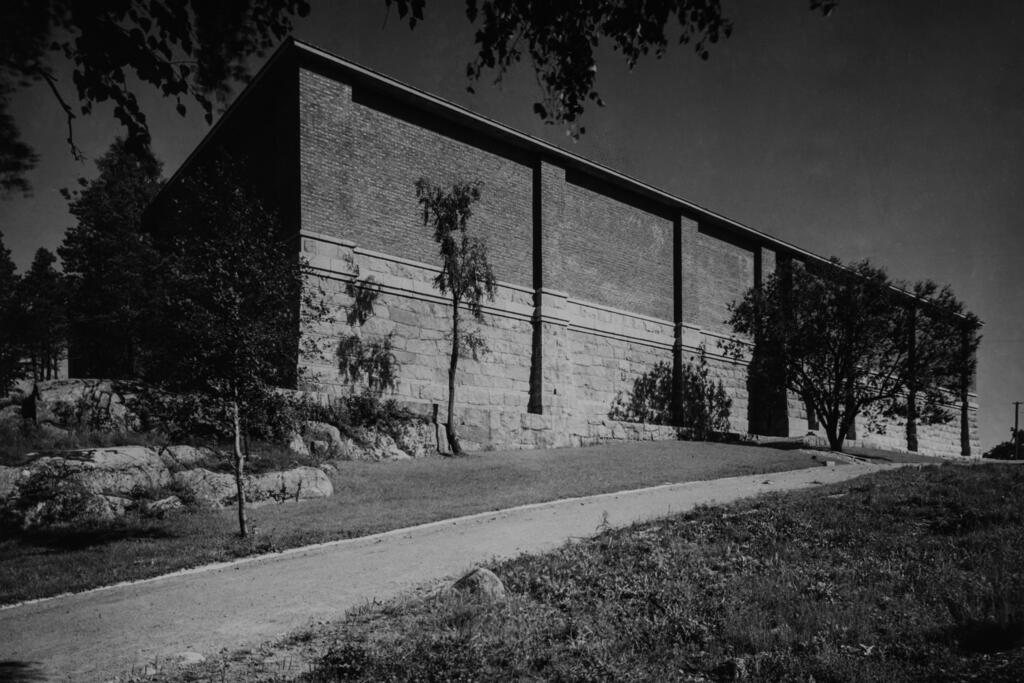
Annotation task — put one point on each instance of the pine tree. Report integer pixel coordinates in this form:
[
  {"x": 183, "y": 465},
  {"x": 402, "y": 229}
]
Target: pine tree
[
  {"x": 10, "y": 348},
  {"x": 42, "y": 317},
  {"x": 109, "y": 261}
]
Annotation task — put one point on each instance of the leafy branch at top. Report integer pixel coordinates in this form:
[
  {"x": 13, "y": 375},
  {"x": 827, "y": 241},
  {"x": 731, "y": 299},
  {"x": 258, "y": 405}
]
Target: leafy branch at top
[
  {"x": 185, "y": 49},
  {"x": 561, "y": 40}
]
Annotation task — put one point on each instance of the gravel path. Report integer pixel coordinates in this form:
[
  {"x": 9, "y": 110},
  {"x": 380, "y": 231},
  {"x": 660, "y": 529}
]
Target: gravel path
[{"x": 109, "y": 632}]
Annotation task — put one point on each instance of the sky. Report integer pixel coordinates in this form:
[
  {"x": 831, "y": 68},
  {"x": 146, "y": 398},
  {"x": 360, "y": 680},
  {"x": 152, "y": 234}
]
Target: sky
[{"x": 891, "y": 131}]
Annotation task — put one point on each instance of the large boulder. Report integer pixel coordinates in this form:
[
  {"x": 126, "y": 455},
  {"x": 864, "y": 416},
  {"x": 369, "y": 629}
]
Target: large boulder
[
  {"x": 208, "y": 489},
  {"x": 213, "y": 489},
  {"x": 70, "y": 509},
  {"x": 300, "y": 483},
  {"x": 93, "y": 403},
  {"x": 182, "y": 457},
  {"x": 118, "y": 471}
]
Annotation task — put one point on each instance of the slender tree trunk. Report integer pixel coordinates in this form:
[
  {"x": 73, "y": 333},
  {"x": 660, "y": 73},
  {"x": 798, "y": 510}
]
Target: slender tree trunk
[
  {"x": 239, "y": 468},
  {"x": 453, "y": 439},
  {"x": 912, "y": 382},
  {"x": 965, "y": 381}
]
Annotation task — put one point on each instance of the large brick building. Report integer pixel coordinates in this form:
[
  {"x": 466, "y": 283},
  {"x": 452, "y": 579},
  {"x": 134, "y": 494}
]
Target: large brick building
[{"x": 601, "y": 276}]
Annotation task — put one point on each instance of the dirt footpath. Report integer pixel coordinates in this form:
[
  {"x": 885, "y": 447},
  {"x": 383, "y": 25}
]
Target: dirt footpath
[{"x": 109, "y": 632}]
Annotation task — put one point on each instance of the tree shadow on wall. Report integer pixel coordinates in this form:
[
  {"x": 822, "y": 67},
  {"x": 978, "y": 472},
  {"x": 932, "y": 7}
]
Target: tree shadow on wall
[
  {"x": 362, "y": 361},
  {"x": 703, "y": 407}
]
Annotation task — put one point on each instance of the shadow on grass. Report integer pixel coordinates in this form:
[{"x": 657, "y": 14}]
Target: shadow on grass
[
  {"x": 988, "y": 636},
  {"x": 77, "y": 538},
  {"x": 780, "y": 445},
  {"x": 17, "y": 672}
]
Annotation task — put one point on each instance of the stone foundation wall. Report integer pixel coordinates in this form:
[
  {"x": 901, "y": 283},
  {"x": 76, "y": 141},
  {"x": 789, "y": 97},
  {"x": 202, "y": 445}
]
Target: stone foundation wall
[
  {"x": 610, "y": 351},
  {"x": 942, "y": 439},
  {"x": 596, "y": 353},
  {"x": 418, "y": 318},
  {"x": 582, "y": 355}
]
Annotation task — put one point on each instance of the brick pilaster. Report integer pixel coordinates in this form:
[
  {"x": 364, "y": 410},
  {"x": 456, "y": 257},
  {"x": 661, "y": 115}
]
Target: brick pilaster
[
  {"x": 551, "y": 364},
  {"x": 684, "y": 300}
]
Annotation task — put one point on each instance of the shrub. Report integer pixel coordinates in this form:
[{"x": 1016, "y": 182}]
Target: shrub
[
  {"x": 651, "y": 398},
  {"x": 1006, "y": 450},
  {"x": 705, "y": 406},
  {"x": 54, "y": 495},
  {"x": 364, "y": 411},
  {"x": 194, "y": 417}
]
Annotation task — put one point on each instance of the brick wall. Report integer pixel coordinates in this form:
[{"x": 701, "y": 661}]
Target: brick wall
[
  {"x": 611, "y": 252},
  {"x": 723, "y": 271},
  {"x": 361, "y": 156}
]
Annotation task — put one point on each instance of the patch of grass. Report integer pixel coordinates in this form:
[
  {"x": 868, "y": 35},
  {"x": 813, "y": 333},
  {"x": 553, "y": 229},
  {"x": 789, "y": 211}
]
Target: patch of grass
[
  {"x": 368, "y": 498},
  {"x": 908, "y": 575}
]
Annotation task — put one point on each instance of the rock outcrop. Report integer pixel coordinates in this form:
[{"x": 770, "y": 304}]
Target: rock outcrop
[
  {"x": 208, "y": 489},
  {"x": 322, "y": 439},
  {"x": 299, "y": 483},
  {"x": 117, "y": 471},
  {"x": 93, "y": 403},
  {"x": 186, "y": 457},
  {"x": 215, "y": 489},
  {"x": 372, "y": 446},
  {"x": 414, "y": 440}
]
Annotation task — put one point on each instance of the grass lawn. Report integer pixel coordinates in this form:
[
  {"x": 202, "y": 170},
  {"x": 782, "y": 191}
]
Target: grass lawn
[
  {"x": 909, "y": 575},
  {"x": 368, "y": 498}
]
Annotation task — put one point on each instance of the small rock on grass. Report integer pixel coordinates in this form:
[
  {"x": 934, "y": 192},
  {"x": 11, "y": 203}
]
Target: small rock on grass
[
  {"x": 159, "y": 508},
  {"x": 482, "y": 583}
]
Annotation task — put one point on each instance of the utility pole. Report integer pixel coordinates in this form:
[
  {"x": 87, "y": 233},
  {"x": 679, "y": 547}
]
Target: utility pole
[{"x": 1016, "y": 430}]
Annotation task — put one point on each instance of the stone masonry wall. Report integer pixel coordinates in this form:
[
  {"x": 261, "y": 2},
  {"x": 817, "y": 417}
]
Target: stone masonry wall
[
  {"x": 608, "y": 349},
  {"x": 419, "y": 319},
  {"x": 942, "y": 439}
]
